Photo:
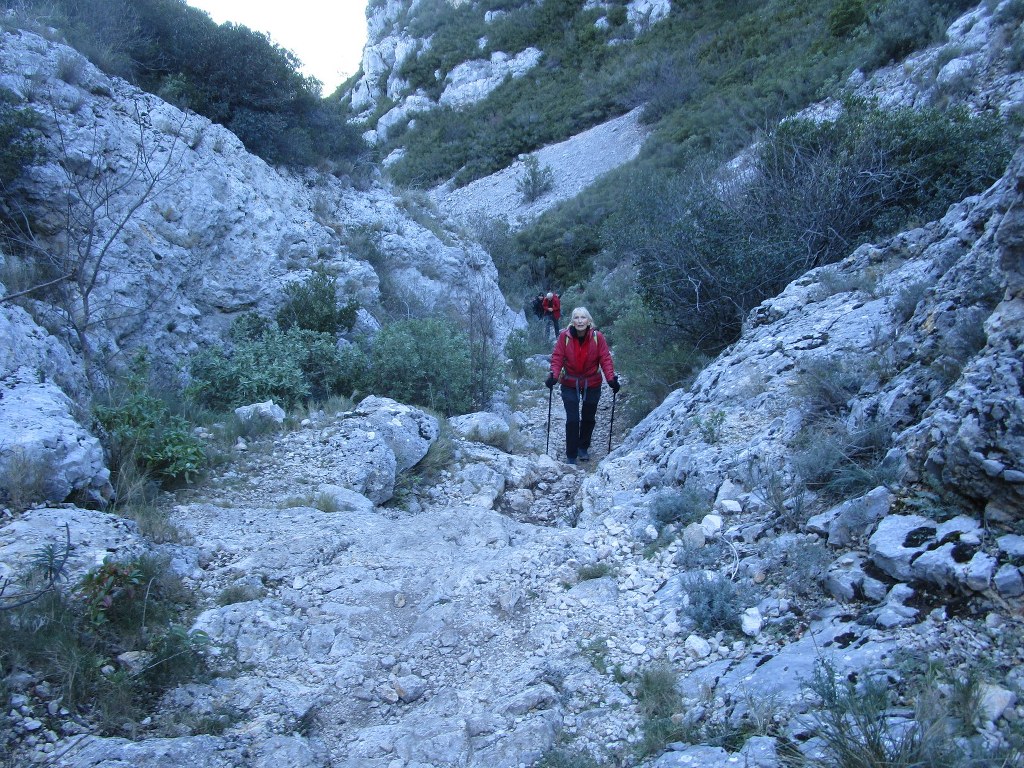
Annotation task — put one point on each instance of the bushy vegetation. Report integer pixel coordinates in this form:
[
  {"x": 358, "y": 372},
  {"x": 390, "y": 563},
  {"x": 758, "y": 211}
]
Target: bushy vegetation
[
  {"x": 142, "y": 433},
  {"x": 713, "y": 604},
  {"x": 937, "y": 722},
  {"x": 19, "y": 137},
  {"x": 108, "y": 644},
  {"x": 312, "y": 305},
  {"x": 712, "y": 78},
  {"x": 423, "y": 362},
  {"x": 708, "y": 250},
  {"x": 288, "y": 367},
  {"x": 234, "y": 76}
]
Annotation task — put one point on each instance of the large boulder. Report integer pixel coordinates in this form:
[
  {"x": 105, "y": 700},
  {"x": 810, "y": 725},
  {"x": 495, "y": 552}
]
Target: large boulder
[{"x": 45, "y": 454}]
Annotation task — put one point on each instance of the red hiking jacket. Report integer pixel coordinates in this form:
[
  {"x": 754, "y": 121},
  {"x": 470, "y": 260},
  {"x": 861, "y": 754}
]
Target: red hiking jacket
[
  {"x": 552, "y": 306},
  {"x": 583, "y": 360}
]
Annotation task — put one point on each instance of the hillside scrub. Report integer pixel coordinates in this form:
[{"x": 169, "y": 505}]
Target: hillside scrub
[
  {"x": 234, "y": 76},
  {"x": 708, "y": 249},
  {"x": 422, "y": 361}
]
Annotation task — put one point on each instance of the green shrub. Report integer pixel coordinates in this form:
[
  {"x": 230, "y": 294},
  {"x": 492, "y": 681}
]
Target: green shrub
[
  {"x": 898, "y": 29},
  {"x": 312, "y": 305},
  {"x": 287, "y": 367},
  {"x": 517, "y": 349},
  {"x": 535, "y": 181},
  {"x": 423, "y": 362},
  {"x": 688, "y": 504},
  {"x": 593, "y": 571},
  {"x": 20, "y": 144},
  {"x": 109, "y": 588},
  {"x": 26, "y": 479},
  {"x": 657, "y": 359},
  {"x": 141, "y": 430},
  {"x": 713, "y": 605},
  {"x": 846, "y": 16},
  {"x": 178, "y": 656}
]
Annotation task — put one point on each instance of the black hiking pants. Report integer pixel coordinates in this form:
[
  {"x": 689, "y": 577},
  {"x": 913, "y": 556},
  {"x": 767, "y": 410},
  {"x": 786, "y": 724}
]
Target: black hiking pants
[{"x": 579, "y": 428}]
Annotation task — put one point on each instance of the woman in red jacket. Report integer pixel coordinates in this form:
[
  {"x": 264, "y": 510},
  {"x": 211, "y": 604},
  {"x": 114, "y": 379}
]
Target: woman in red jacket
[{"x": 579, "y": 358}]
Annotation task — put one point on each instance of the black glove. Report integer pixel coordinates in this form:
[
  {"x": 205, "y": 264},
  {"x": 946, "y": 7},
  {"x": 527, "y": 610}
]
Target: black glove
[
  {"x": 550, "y": 381},
  {"x": 614, "y": 384}
]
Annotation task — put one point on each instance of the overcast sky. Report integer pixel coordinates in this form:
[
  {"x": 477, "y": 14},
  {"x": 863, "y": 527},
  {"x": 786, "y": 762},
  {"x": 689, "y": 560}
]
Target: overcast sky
[{"x": 327, "y": 35}]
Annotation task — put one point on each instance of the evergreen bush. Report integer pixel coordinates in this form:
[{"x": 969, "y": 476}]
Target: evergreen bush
[
  {"x": 287, "y": 367},
  {"x": 312, "y": 305},
  {"x": 140, "y": 429},
  {"x": 20, "y": 144},
  {"x": 423, "y": 362}
]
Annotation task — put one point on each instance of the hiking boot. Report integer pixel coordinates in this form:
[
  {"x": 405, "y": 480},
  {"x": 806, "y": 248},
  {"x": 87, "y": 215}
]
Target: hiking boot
[
  {"x": 571, "y": 461},
  {"x": 583, "y": 455}
]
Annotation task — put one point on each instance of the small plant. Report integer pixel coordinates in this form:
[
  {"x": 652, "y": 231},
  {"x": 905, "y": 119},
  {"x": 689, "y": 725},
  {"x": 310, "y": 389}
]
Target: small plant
[
  {"x": 658, "y": 699},
  {"x": 594, "y": 571},
  {"x": 712, "y": 604},
  {"x": 782, "y": 496},
  {"x": 517, "y": 348},
  {"x": 826, "y": 385},
  {"x": 106, "y": 586},
  {"x": 325, "y": 502},
  {"x": 596, "y": 652},
  {"x": 845, "y": 460},
  {"x": 561, "y": 758},
  {"x": 177, "y": 655},
  {"x": 858, "y": 728},
  {"x": 710, "y": 427},
  {"x": 153, "y": 523},
  {"x": 688, "y": 504},
  {"x": 239, "y": 593},
  {"x": 804, "y": 565},
  {"x": 536, "y": 180}
]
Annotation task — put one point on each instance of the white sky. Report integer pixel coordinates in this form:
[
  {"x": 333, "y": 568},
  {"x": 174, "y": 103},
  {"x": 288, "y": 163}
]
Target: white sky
[{"x": 327, "y": 35}]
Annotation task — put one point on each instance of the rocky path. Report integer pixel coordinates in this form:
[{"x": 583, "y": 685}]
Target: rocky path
[{"x": 438, "y": 633}]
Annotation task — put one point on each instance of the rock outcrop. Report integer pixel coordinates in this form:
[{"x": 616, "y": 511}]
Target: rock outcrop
[{"x": 217, "y": 233}]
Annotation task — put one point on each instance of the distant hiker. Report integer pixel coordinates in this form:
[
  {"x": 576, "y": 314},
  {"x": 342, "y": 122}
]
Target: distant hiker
[
  {"x": 579, "y": 358},
  {"x": 538, "y": 305},
  {"x": 552, "y": 307}
]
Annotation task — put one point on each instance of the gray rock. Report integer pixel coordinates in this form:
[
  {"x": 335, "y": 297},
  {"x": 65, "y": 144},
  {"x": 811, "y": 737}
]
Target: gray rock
[
  {"x": 898, "y": 541},
  {"x": 482, "y": 427},
  {"x": 1008, "y": 581},
  {"x": 269, "y": 412},
  {"x": 852, "y": 519}
]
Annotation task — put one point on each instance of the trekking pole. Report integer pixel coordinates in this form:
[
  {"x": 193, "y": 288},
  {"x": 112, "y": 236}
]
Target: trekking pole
[
  {"x": 611, "y": 423},
  {"x": 547, "y": 439}
]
